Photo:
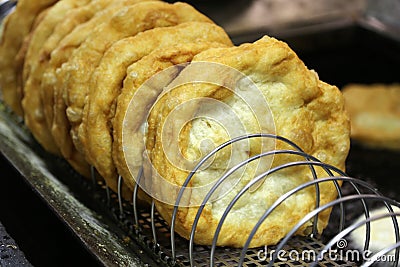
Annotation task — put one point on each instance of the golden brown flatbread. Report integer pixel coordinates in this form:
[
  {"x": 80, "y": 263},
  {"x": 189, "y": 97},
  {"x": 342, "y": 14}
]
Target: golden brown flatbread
[
  {"x": 375, "y": 114},
  {"x": 51, "y": 88},
  {"x": 190, "y": 119},
  {"x": 73, "y": 19},
  {"x": 32, "y": 70},
  {"x": 21, "y": 56},
  {"x": 70, "y": 42},
  {"x": 15, "y": 30},
  {"x": 185, "y": 90},
  {"x": 105, "y": 85},
  {"x": 142, "y": 89},
  {"x": 76, "y": 73}
]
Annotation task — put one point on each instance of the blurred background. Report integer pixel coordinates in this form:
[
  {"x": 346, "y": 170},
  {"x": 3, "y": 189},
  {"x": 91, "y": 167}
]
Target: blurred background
[{"x": 238, "y": 16}]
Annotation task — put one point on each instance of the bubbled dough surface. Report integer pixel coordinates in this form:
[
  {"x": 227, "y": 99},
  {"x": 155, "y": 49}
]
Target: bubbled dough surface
[
  {"x": 105, "y": 86},
  {"x": 139, "y": 72},
  {"x": 85, "y": 59},
  {"x": 305, "y": 110},
  {"x": 32, "y": 70},
  {"x": 74, "y": 19},
  {"x": 74, "y": 75},
  {"x": 37, "y": 62},
  {"x": 51, "y": 86},
  {"x": 14, "y": 32}
]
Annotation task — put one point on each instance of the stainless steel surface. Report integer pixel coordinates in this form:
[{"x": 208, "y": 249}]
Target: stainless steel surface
[
  {"x": 121, "y": 235},
  {"x": 100, "y": 236},
  {"x": 110, "y": 235}
]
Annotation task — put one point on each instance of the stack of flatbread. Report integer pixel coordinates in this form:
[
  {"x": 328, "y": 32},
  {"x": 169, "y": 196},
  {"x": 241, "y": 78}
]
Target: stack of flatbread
[{"x": 121, "y": 85}]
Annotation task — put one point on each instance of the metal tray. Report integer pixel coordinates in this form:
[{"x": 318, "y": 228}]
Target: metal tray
[{"x": 341, "y": 51}]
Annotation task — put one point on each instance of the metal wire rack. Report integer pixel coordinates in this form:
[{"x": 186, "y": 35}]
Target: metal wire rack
[
  {"x": 154, "y": 238},
  {"x": 157, "y": 238},
  {"x": 355, "y": 197}
]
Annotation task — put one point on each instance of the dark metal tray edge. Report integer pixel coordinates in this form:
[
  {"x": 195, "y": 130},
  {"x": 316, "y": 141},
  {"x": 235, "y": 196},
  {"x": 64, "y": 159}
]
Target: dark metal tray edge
[{"x": 101, "y": 238}]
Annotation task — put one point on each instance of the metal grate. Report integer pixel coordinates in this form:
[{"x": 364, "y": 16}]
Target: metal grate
[
  {"x": 154, "y": 237},
  {"x": 158, "y": 238},
  {"x": 162, "y": 250},
  {"x": 141, "y": 230}
]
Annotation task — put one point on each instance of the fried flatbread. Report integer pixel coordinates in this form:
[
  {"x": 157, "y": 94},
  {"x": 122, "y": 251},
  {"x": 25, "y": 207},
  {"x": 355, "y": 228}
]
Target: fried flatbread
[
  {"x": 375, "y": 114},
  {"x": 51, "y": 88},
  {"x": 70, "y": 42},
  {"x": 96, "y": 130},
  {"x": 305, "y": 110},
  {"x": 15, "y": 30},
  {"x": 139, "y": 74},
  {"x": 32, "y": 70},
  {"x": 128, "y": 22},
  {"x": 20, "y": 57},
  {"x": 73, "y": 19},
  {"x": 73, "y": 76}
]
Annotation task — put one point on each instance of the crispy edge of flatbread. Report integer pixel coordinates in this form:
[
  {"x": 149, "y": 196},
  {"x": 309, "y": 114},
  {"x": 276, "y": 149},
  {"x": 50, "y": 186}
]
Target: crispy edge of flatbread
[
  {"x": 52, "y": 88},
  {"x": 107, "y": 79},
  {"x": 14, "y": 32},
  {"x": 73, "y": 19},
  {"x": 267, "y": 62},
  {"x": 31, "y": 103},
  {"x": 77, "y": 72},
  {"x": 161, "y": 59}
]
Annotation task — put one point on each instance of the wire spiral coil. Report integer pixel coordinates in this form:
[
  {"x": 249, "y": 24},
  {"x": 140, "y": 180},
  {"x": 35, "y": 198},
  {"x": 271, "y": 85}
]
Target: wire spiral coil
[
  {"x": 171, "y": 253},
  {"x": 361, "y": 192}
]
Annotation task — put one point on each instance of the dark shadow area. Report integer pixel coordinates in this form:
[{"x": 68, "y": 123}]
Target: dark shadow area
[{"x": 38, "y": 232}]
